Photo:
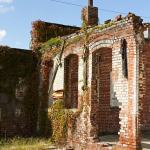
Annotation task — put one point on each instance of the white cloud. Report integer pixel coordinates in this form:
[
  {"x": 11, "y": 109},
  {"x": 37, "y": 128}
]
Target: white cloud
[
  {"x": 5, "y": 9},
  {"x": 6, "y": 1},
  {"x": 2, "y": 34}
]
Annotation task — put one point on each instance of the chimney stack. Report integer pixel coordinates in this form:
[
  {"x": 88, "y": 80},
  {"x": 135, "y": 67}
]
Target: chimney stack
[
  {"x": 90, "y": 3},
  {"x": 90, "y": 14}
]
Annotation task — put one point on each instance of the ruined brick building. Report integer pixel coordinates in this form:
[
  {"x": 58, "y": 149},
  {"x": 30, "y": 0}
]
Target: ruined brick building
[{"x": 104, "y": 72}]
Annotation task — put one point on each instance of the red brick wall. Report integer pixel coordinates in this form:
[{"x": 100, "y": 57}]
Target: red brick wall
[
  {"x": 71, "y": 81},
  {"x": 97, "y": 116},
  {"x": 107, "y": 117},
  {"x": 146, "y": 100}
]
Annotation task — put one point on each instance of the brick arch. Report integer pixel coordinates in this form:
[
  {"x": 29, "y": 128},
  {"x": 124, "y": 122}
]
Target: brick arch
[
  {"x": 71, "y": 81},
  {"x": 100, "y": 44},
  {"x": 105, "y": 117}
]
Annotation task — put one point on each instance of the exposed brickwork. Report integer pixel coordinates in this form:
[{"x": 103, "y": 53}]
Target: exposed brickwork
[
  {"x": 107, "y": 118},
  {"x": 71, "y": 81},
  {"x": 145, "y": 114},
  {"x": 125, "y": 90}
]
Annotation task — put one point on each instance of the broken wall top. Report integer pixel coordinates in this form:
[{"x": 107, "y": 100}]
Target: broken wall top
[
  {"x": 43, "y": 31},
  {"x": 109, "y": 30}
]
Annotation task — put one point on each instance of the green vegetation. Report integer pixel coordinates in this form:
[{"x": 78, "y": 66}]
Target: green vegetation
[
  {"x": 53, "y": 45},
  {"x": 53, "y": 42},
  {"x": 103, "y": 26},
  {"x": 25, "y": 144},
  {"x": 58, "y": 118}
]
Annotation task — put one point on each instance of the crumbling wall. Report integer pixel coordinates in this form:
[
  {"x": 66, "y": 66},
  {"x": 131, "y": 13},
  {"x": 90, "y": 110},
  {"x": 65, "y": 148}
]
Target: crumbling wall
[
  {"x": 18, "y": 92},
  {"x": 43, "y": 31},
  {"x": 123, "y": 82},
  {"x": 125, "y": 85}
]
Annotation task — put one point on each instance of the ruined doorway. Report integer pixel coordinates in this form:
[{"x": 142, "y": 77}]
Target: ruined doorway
[
  {"x": 106, "y": 116},
  {"x": 71, "y": 81}
]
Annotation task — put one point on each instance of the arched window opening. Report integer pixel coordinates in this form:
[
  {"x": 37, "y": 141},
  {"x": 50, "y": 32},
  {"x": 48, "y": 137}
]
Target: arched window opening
[{"x": 106, "y": 118}]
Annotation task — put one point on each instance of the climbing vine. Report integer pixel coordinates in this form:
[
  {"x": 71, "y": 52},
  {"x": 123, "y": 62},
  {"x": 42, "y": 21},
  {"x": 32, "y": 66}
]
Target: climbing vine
[
  {"x": 52, "y": 43},
  {"x": 85, "y": 56},
  {"x": 58, "y": 121},
  {"x": 43, "y": 31}
]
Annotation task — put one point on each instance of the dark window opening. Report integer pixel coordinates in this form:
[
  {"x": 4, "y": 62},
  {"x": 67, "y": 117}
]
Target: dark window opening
[{"x": 124, "y": 58}]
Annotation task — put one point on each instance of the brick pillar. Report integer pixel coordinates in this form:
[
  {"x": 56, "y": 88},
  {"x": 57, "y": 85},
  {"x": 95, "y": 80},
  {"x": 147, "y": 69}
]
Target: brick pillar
[
  {"x": 134, "y": 96},
  {"x": 130, "y": 137}
]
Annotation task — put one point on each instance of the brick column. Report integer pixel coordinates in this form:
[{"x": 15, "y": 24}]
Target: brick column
[
  {"x": 133, "y": 99},
  {"x": 130, "y": 130}
]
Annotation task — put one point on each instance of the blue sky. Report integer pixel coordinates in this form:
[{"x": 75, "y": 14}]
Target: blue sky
[{"x": 16, "y": 16}]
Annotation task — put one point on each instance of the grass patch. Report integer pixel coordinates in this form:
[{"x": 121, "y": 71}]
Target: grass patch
[{"x": 25, "y": 144}]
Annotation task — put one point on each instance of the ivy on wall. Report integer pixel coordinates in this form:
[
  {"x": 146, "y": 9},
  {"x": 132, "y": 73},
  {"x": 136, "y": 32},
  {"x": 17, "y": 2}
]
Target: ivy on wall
[
  {"x": 58, "y": 121},
  {"x": 43, "y": 31},
  {"x": 15, "y": 65}
]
